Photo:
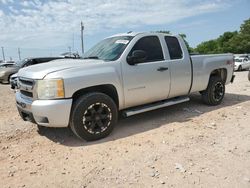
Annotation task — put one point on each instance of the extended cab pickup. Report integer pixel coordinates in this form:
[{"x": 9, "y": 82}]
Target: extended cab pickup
[{"x": 129, "y": 73}]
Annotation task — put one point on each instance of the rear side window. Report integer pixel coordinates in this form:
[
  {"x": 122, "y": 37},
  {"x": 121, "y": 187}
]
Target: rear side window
[
  {"x": 174, "y": 47},
  {"x": 152, "y": 46}
]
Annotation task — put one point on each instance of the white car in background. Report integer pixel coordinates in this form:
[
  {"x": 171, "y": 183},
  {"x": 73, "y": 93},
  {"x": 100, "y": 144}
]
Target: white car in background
[{"x": 241, "y": 63}]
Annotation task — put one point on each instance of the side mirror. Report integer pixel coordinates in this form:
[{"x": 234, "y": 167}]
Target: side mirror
[{"x": 138, "y": 56}]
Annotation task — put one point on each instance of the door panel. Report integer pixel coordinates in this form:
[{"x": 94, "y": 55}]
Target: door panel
[
  {"x": 147, "y": 81},
  {"x": 144, "y": 83},
  {"x": 181, "y": 72}
]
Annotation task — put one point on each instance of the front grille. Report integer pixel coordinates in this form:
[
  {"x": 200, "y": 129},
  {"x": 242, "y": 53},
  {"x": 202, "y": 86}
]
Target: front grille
[
  {"x": 26, "y": 87},
  {"x": 26, "y": 82},
  {"x": 26, "y": 93}
]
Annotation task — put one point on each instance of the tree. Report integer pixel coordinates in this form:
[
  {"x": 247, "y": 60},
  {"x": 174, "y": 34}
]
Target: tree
[
  {"x": 208, "y": 47},
  {"x": 229, "y": 42},
  {"x": 245, "y": 28}
]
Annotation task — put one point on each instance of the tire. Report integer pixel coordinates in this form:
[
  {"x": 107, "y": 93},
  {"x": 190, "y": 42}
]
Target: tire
[
  {"x": 93, "y": 116},
  {"x": 240, "y": 68},
  {"x": 215, "y": 91}
]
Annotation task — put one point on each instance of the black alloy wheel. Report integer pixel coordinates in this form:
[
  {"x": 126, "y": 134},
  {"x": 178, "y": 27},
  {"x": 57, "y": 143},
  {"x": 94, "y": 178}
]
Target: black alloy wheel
[
  {"x": 97, "y": 118},
  {"x": 93, "y": 116}
]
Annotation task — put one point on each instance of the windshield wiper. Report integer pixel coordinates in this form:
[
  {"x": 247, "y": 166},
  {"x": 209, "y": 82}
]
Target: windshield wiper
[{"x": 91, "y": 57}]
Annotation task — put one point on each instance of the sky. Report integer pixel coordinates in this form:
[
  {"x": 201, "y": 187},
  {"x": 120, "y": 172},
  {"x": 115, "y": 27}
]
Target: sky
[{"x": 49, "y": 28}]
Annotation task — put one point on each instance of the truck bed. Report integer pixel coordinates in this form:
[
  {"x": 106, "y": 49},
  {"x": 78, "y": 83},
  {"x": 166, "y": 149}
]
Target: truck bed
[{"x": 203, "y": 65}]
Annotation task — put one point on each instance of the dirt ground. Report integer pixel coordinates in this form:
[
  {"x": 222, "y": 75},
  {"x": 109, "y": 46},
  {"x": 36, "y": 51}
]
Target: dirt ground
[{"x": 187, "y": 145}]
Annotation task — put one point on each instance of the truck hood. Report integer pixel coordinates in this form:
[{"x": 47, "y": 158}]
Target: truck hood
[{"x": 41, "y": 70}]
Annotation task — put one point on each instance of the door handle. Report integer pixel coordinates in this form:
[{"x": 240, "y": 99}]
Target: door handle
[{"x": 161, "y": 69}]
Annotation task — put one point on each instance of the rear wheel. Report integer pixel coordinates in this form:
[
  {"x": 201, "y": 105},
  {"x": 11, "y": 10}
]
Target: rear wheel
[
  {"x": 93, "y": 116},
  {"x": 215, "y": 91}
]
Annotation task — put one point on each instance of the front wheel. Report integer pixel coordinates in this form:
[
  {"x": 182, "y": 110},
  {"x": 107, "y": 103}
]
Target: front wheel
[
  {"x": 215, "y": 91},
  {"x": 93, "y": 116}
]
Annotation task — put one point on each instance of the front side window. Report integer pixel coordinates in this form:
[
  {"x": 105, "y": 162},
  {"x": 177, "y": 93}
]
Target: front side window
[
  {"x": 174, "y": 47},
  {"x": 151, "y": 46},
  {"x": 109, "y": 49}
]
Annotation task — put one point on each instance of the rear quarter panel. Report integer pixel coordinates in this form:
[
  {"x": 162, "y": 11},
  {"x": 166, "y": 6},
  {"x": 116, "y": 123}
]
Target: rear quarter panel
[{"x": 204, "y": 65}]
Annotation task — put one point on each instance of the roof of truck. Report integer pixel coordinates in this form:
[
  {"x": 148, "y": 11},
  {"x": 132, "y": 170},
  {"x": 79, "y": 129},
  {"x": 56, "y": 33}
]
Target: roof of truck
[{"x": 131, "y": 33}]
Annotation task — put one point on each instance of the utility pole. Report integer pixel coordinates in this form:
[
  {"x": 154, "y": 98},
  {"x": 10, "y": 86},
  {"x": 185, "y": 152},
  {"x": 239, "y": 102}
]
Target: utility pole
[
  {"x": 82, "y": 28},
  {"x": 19, "y": 53},
  {"x": 3, "y": 53},
  {"x": 69, "y": 50},
  {"x": 73, "y": 44}
]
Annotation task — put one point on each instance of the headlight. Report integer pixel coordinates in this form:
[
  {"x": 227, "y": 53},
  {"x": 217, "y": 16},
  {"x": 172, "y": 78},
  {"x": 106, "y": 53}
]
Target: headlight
[{"x": 50, "y": 89}]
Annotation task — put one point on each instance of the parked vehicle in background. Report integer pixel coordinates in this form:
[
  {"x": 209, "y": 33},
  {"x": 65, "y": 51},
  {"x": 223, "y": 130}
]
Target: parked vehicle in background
[
  {"x": 7, "y": 62},
  {"x": 241, "y": 63},
  {"x": 7, "y": 71},
  {"x": 4, "y": 65},
  {"x": 11, "y": 61},
  {"x": 13, "y": 81},
  {"x": 71, "y": 55},
  {"x": 131, "y": 73}
]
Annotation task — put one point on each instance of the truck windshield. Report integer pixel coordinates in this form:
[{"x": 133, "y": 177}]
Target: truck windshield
[{"x": 109, "y": 49}]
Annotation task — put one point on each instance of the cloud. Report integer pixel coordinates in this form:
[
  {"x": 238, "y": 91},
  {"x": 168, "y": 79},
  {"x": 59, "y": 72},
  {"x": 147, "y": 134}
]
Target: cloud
[
  {"x": 6, "y": 1},
  {"x": 47, "y": 23}
]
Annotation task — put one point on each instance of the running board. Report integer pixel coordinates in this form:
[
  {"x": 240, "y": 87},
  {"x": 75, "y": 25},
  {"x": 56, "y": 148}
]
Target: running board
[{"x": 154, "y": 106}]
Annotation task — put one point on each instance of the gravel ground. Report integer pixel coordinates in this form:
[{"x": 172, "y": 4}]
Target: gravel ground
[{"x": 187, "y": 145}]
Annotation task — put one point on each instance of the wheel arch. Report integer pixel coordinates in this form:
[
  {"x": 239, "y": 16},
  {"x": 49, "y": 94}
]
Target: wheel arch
[
  {"x": 107, "y": 89},
  {"x": 222, "y": 73}
]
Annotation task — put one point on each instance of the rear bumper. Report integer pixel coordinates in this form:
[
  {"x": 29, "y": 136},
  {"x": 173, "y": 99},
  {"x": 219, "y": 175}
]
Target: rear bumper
[{"x": 49, "y": 113}]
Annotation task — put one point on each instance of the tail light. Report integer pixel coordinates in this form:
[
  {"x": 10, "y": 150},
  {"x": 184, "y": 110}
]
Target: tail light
[{"x": 230, "y": 62}]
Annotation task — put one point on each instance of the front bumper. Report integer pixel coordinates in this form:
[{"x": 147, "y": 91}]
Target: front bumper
[
  {"x": 236, "y": 67},
  {"x": 49, "y": 113}
]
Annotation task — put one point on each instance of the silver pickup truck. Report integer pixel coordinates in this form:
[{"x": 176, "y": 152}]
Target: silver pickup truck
[{"x": 128, "y": 73}]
